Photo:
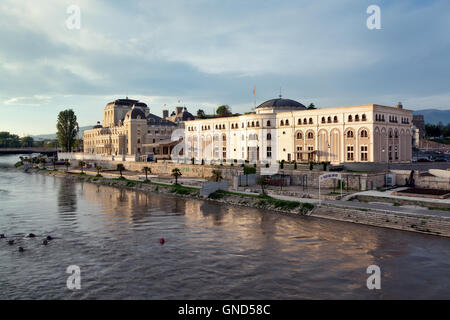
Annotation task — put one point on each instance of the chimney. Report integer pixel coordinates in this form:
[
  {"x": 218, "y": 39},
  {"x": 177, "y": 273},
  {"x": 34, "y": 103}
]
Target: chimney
[{"x": 165, "y": 114}]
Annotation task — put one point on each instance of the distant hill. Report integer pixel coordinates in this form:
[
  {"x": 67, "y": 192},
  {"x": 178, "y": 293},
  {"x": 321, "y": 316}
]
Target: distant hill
[
  {"x": 433, "y": 116},
  {"x": 51, "y": 136}
]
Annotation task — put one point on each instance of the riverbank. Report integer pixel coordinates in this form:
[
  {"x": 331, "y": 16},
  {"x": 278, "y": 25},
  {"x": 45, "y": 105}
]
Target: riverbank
[{"x": 426, "y": 224}]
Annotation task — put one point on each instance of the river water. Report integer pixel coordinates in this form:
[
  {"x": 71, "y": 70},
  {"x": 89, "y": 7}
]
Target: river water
[{"x": 211, "y": 251}]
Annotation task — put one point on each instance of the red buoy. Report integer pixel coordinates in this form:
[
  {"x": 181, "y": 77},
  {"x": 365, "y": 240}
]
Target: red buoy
[{"x": 162, "y": 240}]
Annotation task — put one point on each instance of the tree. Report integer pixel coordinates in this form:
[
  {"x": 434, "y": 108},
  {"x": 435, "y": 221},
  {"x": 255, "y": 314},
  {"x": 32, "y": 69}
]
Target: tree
[
  {"x": 120, "y": 168},
  {"x": 42, "y": 160},
  {"x": 8, "y": 140},
  {"x": 81, "y": 163},
  {"x": 311, "y": 106},
  {"x": 67, "y": 129},
  {"x": 249, "y": 170},
  {"x": 201, "y": 114},
  {"x": 217, "y": 175},
  {"x": 261, "y": 181},
  {"x": 224, "y": 111},
  {"x": 27, "y": 141},
  {"x": 176, "y": 173},
  {"x": 99, "y": 169},
  {"x": 67, "y": 164},
  {"x": 146, "y": 170}
]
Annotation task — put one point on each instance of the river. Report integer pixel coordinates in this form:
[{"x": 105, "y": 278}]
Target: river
[{"x": 211, "y": 251}]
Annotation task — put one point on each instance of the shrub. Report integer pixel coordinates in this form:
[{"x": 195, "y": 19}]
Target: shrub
[{"x": 249, "y": 170}]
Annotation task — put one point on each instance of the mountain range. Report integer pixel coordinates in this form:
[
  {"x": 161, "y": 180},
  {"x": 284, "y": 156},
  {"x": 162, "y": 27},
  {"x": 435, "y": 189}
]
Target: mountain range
[
  {"x": 434, "y": 116},
  {"x": 51, "y": 136}
]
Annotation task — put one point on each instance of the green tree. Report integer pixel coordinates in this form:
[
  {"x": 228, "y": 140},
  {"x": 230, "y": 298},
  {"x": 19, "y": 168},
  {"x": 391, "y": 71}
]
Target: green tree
[
  {"x": 311, "y": 106},
  {"x": 120, "y": 168},
  {"x": 224, "y": 111},
  {"x": 249, "y": 170},
  {"x": 99, "y": 169},
  {"x": 262, "y": 182},
  {"x": 217, "y": 175},
  {"x": 201, "y": 114},
  {"x": 67, "y": 164},
  {"x": 146, "y": 170},
  {"x": 27, "y": 141},
  {"x": 176, "y": 173},
  {"x": 67, "y": 129},
  {"x": 8, "y": 140},
  {"x": 81, "y": 163}
]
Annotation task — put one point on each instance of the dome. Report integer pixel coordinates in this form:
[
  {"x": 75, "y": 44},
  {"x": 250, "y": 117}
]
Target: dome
[
  {"x": 282, "y": 104},
  {"x": 135, "y": 113}
]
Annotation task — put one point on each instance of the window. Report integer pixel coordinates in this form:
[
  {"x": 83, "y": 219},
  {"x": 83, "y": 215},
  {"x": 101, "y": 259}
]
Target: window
[
  {"x": 364, "y": 134},
  {"x": 350, "y": 118},
  {"x": 305, "y": 121},
  {"x": 269, "y": 136},
  {"x": 363, "y": 118},
  {"x": 310, "y": 121},
  {"x": 299, "y": 135},
  {"x": 323, "y": 119},
  {"x": 299, "y": 122},
  {"x": 224, "y": 137},
  {"x": 350, "y": 153},
  {"x": 269, "y": 152},
  {"x": 268, "y": 123},
  {"x": 281, "y": 123},
  {"x": 335, "y": 120},
  {"x": 138, "y": 140},
  {"x": 253, "y": 123},
  {"x": 329, "y": 120},
  {"x": 357, "y": 117},
  {"x": 310, "y": 135},
  {"x": 257, "y": 123},
  {"x": 287, "y": 122},
  {"x": 350, "y": 134},
  {"x": 364, "y": 153}
]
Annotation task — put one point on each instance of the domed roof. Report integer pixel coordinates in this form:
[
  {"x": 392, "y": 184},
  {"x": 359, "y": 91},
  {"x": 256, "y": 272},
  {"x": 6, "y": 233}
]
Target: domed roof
[
  {"x": 134, "y": 113},
  {"x": 280, "y": 103}
]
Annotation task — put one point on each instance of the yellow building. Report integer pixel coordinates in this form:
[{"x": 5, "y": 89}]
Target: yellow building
[
  {"x": 129, "y": 129},
  {"x": 284, "y": 129}
]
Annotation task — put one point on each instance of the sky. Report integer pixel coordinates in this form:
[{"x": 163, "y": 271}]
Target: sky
[{"x": 206, "y": 53}]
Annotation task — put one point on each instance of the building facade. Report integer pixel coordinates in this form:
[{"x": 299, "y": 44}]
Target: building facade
[
  {"x": 284, "y": 129},
  {"x": 129, "y": 129}
]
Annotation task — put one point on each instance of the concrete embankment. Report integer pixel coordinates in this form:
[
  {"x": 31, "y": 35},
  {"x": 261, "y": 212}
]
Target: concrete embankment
[{"x": 417, "y": 223}]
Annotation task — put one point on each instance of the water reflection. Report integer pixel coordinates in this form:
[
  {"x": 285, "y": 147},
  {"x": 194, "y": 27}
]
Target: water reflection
[
  {"x": 67, "y": 197},
  {"x": 214, "y": 251}
]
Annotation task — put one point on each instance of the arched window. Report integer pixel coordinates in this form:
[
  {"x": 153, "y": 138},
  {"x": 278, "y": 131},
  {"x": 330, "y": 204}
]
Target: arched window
[
  {"x": 281, "y": 123},
  {"x": 138, "y": 140},
  {"x": 299, "y": 121},
  {"x": 335, "y": 120},
  {"x": 350, "y": 118},
  {"x": 299, "y": 135},
  {"x": 323, "y": 119},
  {"x": 329, "y": 120},
  {"x": 257, "y": 123},
  {"x": 268, "y": 123},
  {"x": 357, "y": 117},
  {"x": 269, "y": 136},
  {"x": 363, "y": 118},
  {"x": 395, "y": 134},
  {"x": 310, "y": 121},
  {"x": 305, "y": 121},
  {"x": 224, "y": 137},
  {"x": 364, "y": 134},
  {"x": 350, "y": 134},
  {"x": 232, "y": 126},
  {"x": 253, "y": 123},
  {"x": 287, "y": 122},
  {"x": 310, "y": 135}
]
